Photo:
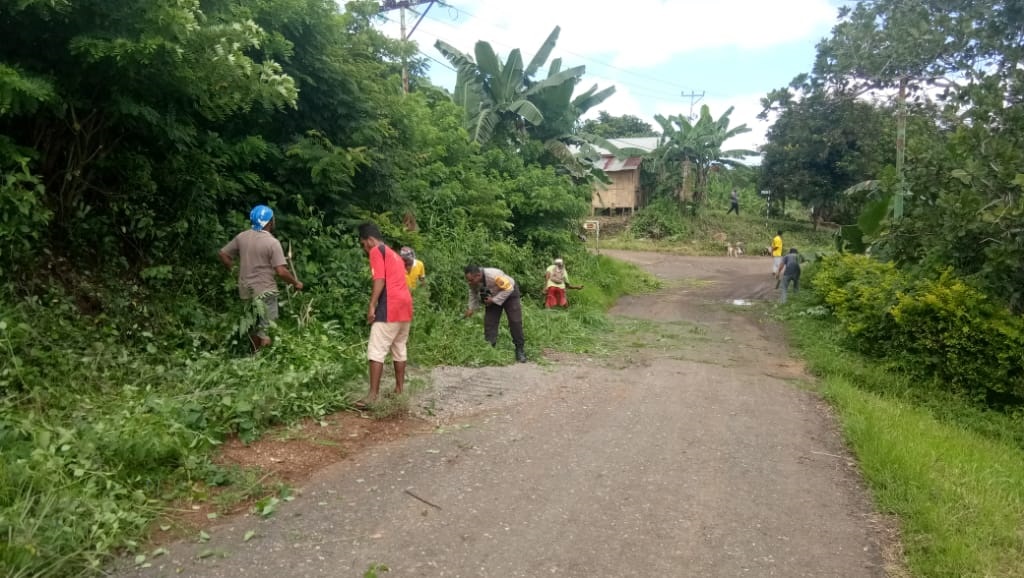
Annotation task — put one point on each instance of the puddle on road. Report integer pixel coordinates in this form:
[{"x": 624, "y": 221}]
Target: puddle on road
[{"x": 741, "y": 302}]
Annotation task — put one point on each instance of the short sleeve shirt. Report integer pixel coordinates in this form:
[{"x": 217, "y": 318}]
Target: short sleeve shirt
[
  {"x": 416, "y": 272},
  {"x": 259, "y": 254},
  {"x": 395, "y": 303},
  {"x": 777, "y": 246}
]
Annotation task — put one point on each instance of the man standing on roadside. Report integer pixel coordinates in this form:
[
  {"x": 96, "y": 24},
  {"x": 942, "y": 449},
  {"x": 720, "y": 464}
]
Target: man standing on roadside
[
  {"x": 734, "y": 203},
  {"x": 497, "y": 292},
  {"x": 557, "y": 279},
  {"x": 389, "y": 313},
  {"x": 776, "y": 253},
  {"x": 789, "y": 270},
  {"x": 259, "y": 257}
]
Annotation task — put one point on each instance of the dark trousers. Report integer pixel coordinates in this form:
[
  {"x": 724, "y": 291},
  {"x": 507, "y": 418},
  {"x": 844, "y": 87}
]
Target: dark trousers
[
  {"x": 513, "y": 309},
  {"x": 733, "y": 207}
]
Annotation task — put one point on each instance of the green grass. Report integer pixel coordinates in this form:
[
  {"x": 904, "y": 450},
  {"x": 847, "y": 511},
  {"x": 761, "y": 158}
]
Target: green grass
[
  {"x": 699, "y": 236},
  {"x": 83, "y": 476},
  {"x": 952, "y": 472}
]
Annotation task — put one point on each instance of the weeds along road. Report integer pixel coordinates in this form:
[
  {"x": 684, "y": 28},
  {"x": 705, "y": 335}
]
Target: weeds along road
[{"x": 690, "y": 449}]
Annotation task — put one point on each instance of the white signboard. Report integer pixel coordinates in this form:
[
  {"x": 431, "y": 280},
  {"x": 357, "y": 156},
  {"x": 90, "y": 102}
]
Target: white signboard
[{"x": 594, "y": 226}]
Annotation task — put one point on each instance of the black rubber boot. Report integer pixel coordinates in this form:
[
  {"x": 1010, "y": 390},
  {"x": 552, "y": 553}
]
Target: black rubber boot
[{"x": 520, "y": 355}]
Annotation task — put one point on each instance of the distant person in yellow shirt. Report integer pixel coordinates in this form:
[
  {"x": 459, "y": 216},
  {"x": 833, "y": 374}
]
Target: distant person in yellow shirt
[
  {"x": 776, "y": 253},
  {"x": 414, "y": 269}
]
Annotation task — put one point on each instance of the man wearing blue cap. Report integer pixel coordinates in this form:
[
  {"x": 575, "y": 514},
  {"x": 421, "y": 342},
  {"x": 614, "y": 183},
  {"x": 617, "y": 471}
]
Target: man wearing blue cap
[{"x": 259, "y": 256}]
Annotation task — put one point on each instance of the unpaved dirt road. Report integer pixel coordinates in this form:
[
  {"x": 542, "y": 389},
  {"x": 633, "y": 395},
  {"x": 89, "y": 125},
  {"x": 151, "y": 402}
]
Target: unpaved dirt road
[{"x": 690, "y": 450}]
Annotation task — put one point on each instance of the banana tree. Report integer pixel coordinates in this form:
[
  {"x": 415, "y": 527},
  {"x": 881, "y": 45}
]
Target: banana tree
[
  {"x": 575, "y": 151},
  {"x": 497, "y": 95},
  {"x": 697, "y": 147}
]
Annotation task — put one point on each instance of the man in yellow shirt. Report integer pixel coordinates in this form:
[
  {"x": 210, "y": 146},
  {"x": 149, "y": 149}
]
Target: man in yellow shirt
[
  {"x": 414, "y": 269},
  {"x": 776, "y": 253}
]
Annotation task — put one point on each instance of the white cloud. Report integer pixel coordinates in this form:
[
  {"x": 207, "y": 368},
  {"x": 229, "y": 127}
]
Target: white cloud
[{"x": 642, "y": 34}]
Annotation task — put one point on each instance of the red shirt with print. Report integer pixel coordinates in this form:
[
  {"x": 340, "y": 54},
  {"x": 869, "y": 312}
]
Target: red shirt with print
[{"x": 395, "y": 303}]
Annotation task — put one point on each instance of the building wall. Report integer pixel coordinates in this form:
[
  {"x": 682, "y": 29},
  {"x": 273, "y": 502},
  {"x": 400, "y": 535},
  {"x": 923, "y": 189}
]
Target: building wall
[{"x": 621, "y": 194}]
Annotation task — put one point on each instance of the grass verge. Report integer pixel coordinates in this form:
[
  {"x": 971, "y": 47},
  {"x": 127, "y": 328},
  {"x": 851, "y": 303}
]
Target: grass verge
[
  {"x": 83, "y": 476},
  {"x": 700, "y": 235},
  {"x": 952, "y": 473}
]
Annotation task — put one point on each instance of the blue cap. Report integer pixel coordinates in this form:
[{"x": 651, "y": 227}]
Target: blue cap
[{"x": 260, "y": 216}]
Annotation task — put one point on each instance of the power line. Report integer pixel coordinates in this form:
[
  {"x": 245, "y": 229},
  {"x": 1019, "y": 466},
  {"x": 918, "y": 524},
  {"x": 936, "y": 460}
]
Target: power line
[
  {"x": 421, "y": 53},
  {"x": 443, "y": 64}
]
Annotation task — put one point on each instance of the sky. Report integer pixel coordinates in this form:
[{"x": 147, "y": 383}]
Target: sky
[{"x": 655, "y": 52}]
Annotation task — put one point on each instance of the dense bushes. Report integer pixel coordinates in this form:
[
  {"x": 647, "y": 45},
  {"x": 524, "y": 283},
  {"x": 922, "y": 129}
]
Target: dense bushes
[
  {"x": 942, "y": 328},
  {"x": 662, "y": 219}
]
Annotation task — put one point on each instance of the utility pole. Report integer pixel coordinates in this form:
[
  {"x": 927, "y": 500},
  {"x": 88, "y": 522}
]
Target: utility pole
[
  {"x": 402, "y": 5},
  {"x": 694, "y": 99},
  {"x": 901, "y": 148}
]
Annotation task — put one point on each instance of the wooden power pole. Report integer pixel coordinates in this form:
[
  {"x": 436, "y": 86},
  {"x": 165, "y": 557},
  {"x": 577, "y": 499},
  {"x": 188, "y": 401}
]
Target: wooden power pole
[{"x": 402, "y": 5}]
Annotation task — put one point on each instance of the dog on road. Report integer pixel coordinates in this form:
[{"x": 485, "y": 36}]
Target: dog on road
[{"x": 734, "y": 249}]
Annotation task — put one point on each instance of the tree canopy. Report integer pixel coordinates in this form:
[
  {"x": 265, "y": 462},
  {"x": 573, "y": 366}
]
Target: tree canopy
[
  {"x": 958, "y": 62},
  {"x": 625, "y": 126}
]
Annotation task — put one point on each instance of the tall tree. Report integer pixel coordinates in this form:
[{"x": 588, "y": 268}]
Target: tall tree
[
  {"x": 820, "y": 146},
  {"x": 123, "y": 93},
  {"x": 625, "y": 126}
]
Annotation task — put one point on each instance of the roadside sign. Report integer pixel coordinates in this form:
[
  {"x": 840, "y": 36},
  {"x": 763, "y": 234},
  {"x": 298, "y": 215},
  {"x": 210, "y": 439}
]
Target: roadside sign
[{"x": 594, "y": 226}]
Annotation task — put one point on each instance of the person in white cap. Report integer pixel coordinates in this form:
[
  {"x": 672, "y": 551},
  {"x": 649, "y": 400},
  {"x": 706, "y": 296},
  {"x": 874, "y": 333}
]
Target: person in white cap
[{"x": 557, "y": 281}]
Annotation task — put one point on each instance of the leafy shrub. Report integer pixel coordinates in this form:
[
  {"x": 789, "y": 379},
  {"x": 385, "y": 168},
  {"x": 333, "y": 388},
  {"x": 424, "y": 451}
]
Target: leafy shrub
[
  {"x": 860, "y": 291},
  {"x": 958, "y": 334},
  {"x": 661, "y": 219},
  {"x": 22, "y": 214},
  {"x": 942, "y": 328}
]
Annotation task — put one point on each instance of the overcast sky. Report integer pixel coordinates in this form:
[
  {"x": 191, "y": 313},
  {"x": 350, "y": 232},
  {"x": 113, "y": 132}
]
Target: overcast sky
[{"x": 653, "y": 51}]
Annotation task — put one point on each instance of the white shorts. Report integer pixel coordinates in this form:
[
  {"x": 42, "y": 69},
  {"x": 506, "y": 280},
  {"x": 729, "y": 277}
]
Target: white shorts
[
  {"x": 388, "y": 337},
  {"x": 776, "y": 261}
]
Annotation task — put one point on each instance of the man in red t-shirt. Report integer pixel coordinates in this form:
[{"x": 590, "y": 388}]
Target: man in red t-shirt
[{"x": 390, "y": 311}]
